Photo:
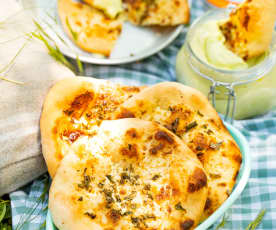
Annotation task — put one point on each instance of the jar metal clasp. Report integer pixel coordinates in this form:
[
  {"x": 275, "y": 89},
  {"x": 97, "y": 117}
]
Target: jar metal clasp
[{"x": 231, "y": 99}]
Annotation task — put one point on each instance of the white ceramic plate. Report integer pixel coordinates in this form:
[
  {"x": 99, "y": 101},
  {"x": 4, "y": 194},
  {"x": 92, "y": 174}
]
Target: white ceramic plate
[{"x": 135, "y": 43}]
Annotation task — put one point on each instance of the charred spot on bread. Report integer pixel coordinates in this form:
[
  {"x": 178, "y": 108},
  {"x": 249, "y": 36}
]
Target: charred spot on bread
[
  {"x": 154, "y": 150},
  {"x": 114, "y": 215},
  {"x": 163, "y": 136},
  {"x": 125, "y": 114},
  {"x": 90, "y": 215},
  {"x": 131, "y": 89},
  {"x": 236, "y": 175},
  {"x": 130, "y": 151},
  {"x": 237, "y": 158},
  {"x": 132, "y": 133},
  {"x": 164, "y": 193},
  {"x": 82, "y": 100},
  {"x": 222, "y": 184},
  {"x": 197, "y": 181},
  {"x": 187, "y": 224},
  {"x": 79, "y": 104},
  {"x": 214, "y": 175},
  {"x": 200, "y": 157},
  {"x": 208, "y": 204}
]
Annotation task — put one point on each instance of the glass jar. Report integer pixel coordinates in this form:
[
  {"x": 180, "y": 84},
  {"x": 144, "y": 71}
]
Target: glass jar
[{"x": 239, "y": 94}]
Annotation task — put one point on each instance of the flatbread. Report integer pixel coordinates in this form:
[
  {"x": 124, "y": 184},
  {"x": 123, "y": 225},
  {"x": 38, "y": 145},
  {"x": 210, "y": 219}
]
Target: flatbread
[
  {"x": 75, "y": 107},
  {"x": 88, "y": 27},
  {"x": 157, "y": 12},
  {"x": 248, "y": 32},
  {"x": 187, "y": 113},
  {"x": 123, "y": 179},
  {"x": 111, "y": 8}
]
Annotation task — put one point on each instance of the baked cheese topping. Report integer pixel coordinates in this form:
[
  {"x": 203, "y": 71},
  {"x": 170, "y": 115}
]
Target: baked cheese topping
[
  {"x": 89, "y": 27},
  {"x": 135, "y": 176},
  {"x": 157, "y": 12},
  {"x": 110, "y": 7},
  {"x": 219, "y": 155},
  {"x": 82, "y": 116}
]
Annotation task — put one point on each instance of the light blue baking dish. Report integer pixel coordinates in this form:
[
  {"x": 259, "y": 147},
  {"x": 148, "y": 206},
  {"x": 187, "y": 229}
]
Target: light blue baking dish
[{"x": 240, "y": 184}]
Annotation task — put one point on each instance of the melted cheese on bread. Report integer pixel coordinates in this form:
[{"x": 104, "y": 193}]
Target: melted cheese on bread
[
  {"x": 88, "y": 27},
  {"x": 188, "y": 114},
  {"x": 110, "y": 7},
  {"x": 122, "y": 183},
  {"x": 157, "y": 12},
  {"x": 74, "y": 108}
]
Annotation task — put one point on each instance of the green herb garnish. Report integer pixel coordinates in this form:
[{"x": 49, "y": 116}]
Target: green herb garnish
[
  {"x": 91, "y": 215},
  {"x": 147, "y": 187},
  {"x": 101, "y": 185},
  {"x": 216, "y": 146},
  {"x": 199, "y": 113},
  {"x": 191, "y": 126},
  {"x": 109, "y": 177},
  {"x": 179, "y": 207},
  {"x": 175, "y": 125},
  {"x": 156, "y": 177},
  {"x": 135, "y": 221}
]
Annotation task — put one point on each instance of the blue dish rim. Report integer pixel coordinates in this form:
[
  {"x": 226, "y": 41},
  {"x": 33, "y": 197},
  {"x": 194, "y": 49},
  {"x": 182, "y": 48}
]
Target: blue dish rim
[{"x": 242, "y": 180}]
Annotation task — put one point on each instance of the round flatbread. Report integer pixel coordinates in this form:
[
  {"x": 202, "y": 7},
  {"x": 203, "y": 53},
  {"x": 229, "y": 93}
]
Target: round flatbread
[
  {"x": 133, "y": 174},
  {"x": 75, "y": 107},
  {"x": 187, "y": 113}
]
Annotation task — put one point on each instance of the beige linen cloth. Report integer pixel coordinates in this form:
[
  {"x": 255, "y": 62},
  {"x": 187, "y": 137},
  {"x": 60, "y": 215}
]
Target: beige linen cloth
[{"x": 21, "y": 159}]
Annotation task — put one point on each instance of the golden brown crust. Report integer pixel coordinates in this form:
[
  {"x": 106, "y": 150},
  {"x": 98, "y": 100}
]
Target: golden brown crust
[
  {"x": 99, "y": 187},
  {"x": 93, "y": 31},
  {"x": 75, "y": 107},
  {"x": 88, "y": 27},
  {"x": 187, "y": 113},
  {"x": 158, "y": 12},
  {"x": 249, "y": 30}
]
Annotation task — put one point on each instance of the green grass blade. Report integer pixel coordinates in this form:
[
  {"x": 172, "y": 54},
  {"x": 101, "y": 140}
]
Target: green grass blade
[
  {"x": 74, "y": 34},
  {"x": 39, "y": 27},
  {"x": 56, "y": 33},
  {"x": 13, "y": 59},
  {"x": 9, "y": 65},
  {"x": 11, "y": 81},
  {"x": 222, "y": 223},
  {"x": 3, "y": 209},
  {"x": 255, "y": 223},
  {"x": 43, "y": 225},
  {"x": 52, "y": 17},
  {"x": 54, "y": 51},
  {"x": 79, "y": 65}
]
